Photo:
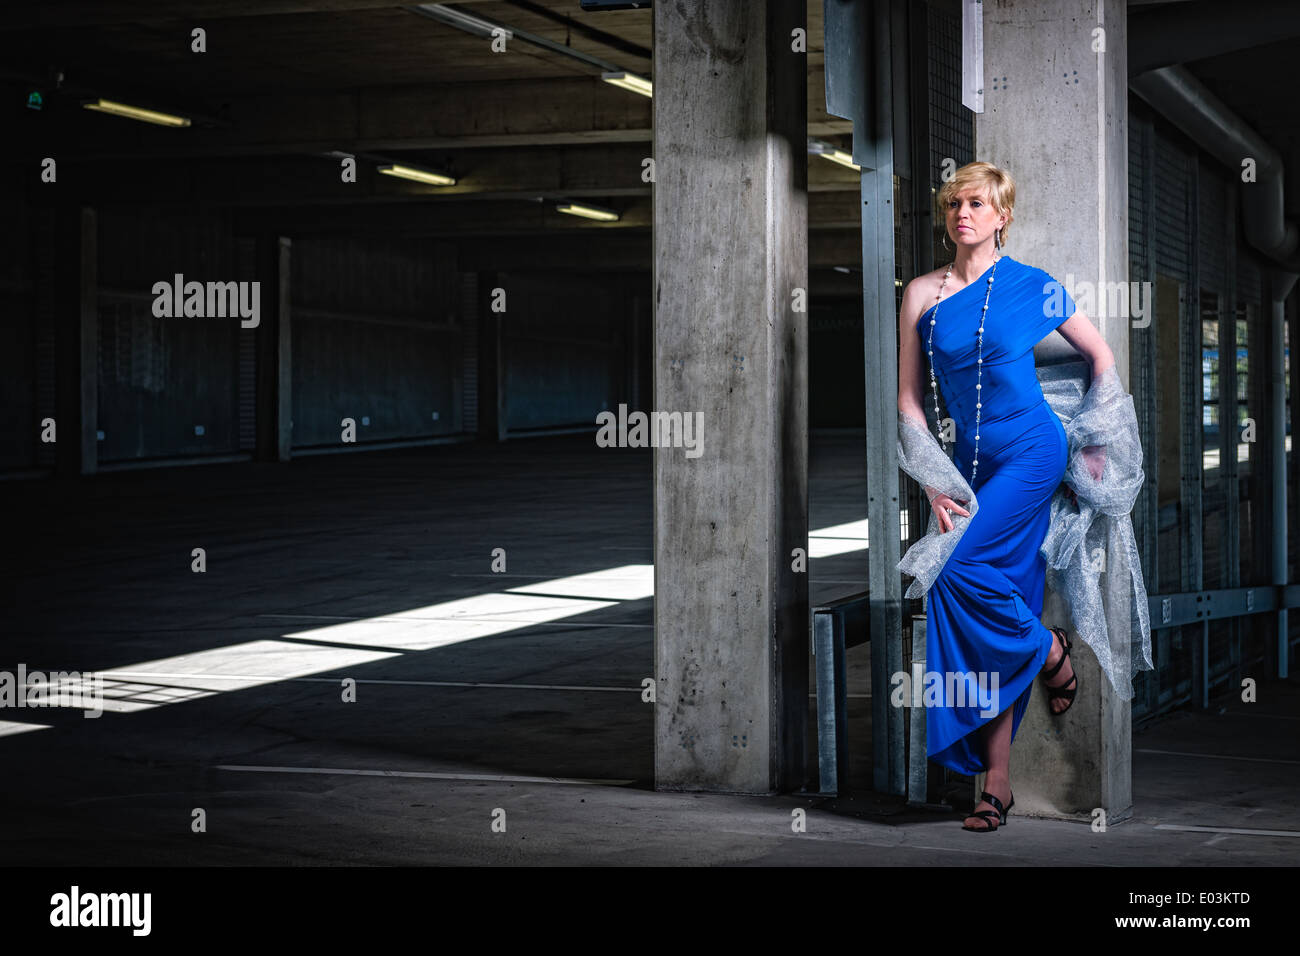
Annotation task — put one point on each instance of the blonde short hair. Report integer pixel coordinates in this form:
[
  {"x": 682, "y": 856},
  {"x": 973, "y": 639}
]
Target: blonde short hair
[{"x": 987, "y": 178}]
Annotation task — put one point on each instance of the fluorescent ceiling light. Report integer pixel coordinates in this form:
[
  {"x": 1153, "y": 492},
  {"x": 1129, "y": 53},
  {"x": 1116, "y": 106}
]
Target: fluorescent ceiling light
[
  {"x": 841, "y": 157},
  {"x": 833, "y": 153},
  {"x": 588, "y": 212},
  {"x": 462, "y": 21},
  {"x": 417, "y": 174},
  {"x": 136, "y": 113},
  {"x": 630, "y": 81}
]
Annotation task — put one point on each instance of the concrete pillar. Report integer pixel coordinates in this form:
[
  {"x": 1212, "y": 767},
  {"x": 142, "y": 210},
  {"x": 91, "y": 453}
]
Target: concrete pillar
[
  {"x": 634, "y": 350},
  {"x": 75, "y": 276},
  {"x": 730, "y": 343},
  {"x": 491, "y": 363},
  {"x": 274, "y": 351},
  {"x": 1056, "y": 116},
  {"x": 470, "y": 355}
]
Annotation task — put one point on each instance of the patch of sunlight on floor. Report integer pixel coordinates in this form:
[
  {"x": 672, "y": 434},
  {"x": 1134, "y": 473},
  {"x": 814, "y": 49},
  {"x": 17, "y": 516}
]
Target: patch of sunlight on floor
[
  {"x": 632, "y": 582},
  {"x": 10, "y": 727},
  {"x": 204, "y": 673},
  {"x": 451, "y": 622},
  {"x": 838, "y": 539},
  {"x": 193, "y": 676}
]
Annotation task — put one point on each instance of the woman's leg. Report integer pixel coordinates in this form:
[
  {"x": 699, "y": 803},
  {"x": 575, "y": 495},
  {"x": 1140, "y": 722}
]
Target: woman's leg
[
  {"x": 1062, "y": 678},
  {"x": 997, "y": 780}
]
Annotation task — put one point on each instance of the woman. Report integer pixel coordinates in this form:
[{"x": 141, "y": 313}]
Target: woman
[{"x": 973, "y": 337}]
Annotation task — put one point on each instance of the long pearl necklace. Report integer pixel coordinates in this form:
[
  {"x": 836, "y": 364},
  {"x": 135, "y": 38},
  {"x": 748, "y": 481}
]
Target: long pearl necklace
[{"x": 934, "y": 383}]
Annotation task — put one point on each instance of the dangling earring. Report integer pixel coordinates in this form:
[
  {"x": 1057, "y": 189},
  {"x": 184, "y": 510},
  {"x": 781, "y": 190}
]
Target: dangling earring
[
  {"x": 944, "y": 241},
  {"x": 997, "y": 240}
]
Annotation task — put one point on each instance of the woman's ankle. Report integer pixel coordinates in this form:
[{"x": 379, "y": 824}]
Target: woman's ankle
[{"x": 999, "y": 786}]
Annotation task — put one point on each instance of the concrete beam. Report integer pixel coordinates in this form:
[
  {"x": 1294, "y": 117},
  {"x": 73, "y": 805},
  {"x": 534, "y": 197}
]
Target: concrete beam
[
  {"x": 630, "y": 251},
  {"x": 730, "y": 348},
  {"x": 575, "y": 171},
  {"x": 504, "y": 113},
  {"x": 65, "y": 13},
  {"x": 835, "y": 211}
]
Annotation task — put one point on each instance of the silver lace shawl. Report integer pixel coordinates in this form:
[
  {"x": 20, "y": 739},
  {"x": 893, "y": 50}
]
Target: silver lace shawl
[{"x": 1086, "y": 539}]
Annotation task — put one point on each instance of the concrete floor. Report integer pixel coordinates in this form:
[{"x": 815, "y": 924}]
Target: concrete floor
[{"x": 470, "y": 699}]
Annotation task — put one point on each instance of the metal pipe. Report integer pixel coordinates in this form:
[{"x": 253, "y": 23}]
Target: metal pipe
[{"x": 1189, "y": 105}]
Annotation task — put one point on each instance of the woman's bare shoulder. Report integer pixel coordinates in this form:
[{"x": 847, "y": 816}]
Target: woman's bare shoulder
[
  {"x": 928, "y": 282},
  {"x": 934, "y": 274},
  {"x": 920, "y": 293}
]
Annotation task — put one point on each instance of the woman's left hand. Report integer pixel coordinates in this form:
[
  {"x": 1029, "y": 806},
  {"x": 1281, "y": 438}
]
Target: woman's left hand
[{"x": 1094, "y": 456}]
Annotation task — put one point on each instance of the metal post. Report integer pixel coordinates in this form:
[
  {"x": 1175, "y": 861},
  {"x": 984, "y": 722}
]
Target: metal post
[
  {"x": 918, "y": 764},
  {"x": 1280, "y": 285}
]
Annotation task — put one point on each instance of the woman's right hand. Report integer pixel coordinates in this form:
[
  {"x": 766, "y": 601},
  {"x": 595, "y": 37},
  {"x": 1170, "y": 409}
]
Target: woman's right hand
[{"x": 941, "y": 505}]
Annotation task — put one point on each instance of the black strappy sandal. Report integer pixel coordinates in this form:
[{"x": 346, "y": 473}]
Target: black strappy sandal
[
  {"x": 1067, "y": 691},
  {"x": 998, "y": 813}
]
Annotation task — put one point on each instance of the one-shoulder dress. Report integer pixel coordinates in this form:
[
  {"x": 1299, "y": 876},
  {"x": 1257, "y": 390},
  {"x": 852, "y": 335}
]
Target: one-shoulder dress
[{"x": 983, "y": 609}]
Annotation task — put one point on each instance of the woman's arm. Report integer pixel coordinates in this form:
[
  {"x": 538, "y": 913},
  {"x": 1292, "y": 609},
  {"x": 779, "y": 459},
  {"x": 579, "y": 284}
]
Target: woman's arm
[
  {"x": 911, "y": 359},
  {"x": 1079, "y": 331},
  {"x": 912, "y": 371}
]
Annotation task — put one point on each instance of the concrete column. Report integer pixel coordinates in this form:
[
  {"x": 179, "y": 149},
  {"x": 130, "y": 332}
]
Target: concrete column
[
  {"x": 274, "y": 351},
  {"x": 1056, "y": 116},
  {"x": 730, "y": 343},
  {"x": 633, "y": 353},
  {"x": 76, "y": 340},
  {"x": 491, "y": 364}
]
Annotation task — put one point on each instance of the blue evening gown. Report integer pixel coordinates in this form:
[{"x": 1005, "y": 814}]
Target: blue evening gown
[{"x": 983, "y": 609}]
